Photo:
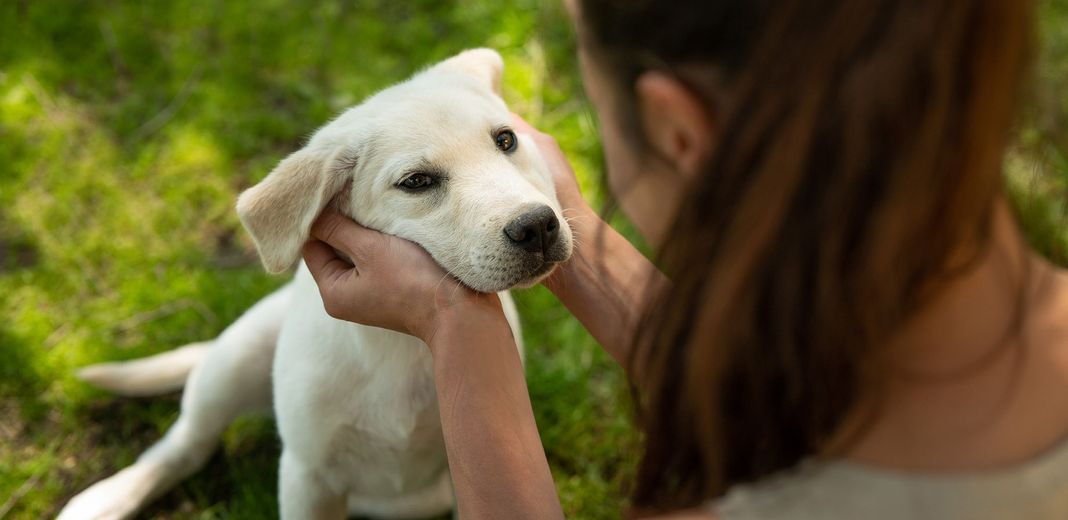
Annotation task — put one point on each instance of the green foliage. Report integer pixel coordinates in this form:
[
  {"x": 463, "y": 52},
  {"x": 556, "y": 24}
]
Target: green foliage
[
  {"x": 127, "y": 130},
  {"x": 1037, "y": 170}
]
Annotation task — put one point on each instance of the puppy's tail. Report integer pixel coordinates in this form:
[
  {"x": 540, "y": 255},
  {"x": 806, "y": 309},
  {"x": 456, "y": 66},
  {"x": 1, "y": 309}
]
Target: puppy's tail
[{"x": 154, "y": 375}]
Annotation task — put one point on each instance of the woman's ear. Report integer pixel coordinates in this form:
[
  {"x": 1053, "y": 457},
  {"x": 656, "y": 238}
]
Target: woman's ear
[{"x": 677, "y": 123}]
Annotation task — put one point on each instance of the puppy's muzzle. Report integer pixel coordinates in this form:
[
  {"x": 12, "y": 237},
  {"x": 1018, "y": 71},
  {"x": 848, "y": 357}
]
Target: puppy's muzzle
[{"x": 536, "y": 231}]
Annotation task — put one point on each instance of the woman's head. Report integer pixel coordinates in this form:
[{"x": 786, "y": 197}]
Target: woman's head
[
  {"x": 656, "y": 73},
  {"x": 812, "y": 171}
]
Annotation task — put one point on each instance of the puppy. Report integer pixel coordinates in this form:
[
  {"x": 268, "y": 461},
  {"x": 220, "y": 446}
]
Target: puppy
[{"x": 431, "y": 160}]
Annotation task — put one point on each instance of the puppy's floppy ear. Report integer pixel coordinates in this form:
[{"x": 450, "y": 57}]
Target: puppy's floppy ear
[
  {"x": 483, "y": 63},
  {"x": 279, "y": 211}
]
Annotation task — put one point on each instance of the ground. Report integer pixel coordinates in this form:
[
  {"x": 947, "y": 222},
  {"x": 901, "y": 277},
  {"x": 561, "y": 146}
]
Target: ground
[{"x": 128, "y": 128}]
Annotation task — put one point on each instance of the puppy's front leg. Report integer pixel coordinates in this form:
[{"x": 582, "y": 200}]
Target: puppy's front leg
[{"x": 304, "y": 494}]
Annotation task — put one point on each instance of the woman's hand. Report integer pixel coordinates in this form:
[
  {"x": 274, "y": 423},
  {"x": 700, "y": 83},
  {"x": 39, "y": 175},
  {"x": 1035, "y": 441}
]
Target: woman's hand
[
  {"x": 498, "y": 463},
  {"x": 394, "y": 284},
  {"x": 567, "y": 187},
  {"x": 607, "y": 281}
]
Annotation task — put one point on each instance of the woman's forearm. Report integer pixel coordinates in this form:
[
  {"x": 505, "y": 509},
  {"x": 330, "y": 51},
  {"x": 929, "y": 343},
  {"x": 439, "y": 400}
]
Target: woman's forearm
[
  {"x": 606, "y": 284},
  {"x": 496, "y": 458}
]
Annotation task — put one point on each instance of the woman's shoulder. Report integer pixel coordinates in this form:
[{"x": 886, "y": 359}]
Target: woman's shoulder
[
  {"x": 691, "y": 514},
  {"x": 838, "y": 489}
]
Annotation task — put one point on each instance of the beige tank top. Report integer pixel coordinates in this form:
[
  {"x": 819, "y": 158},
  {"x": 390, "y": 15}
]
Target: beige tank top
[{"x": 842, "y": 490}]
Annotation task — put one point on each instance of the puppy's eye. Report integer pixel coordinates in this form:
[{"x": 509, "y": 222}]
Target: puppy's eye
[
  {"x": 417, "y": 182},
  {"x": 506, "y": 141}
]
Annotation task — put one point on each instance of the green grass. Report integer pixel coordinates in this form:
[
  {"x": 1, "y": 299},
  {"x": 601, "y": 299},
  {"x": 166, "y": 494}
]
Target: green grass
[{"x": 126, "y": 131}]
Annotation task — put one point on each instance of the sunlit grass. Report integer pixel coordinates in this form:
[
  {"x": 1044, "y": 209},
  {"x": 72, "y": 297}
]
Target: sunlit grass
[{"x": 127, "y": 130}]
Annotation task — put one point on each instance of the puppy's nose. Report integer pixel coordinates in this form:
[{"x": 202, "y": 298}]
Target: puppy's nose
[{"x": 535, "y": 230}]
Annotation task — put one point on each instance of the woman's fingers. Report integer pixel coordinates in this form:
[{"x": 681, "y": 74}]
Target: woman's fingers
[
  {"x": 521, "y": 125},
  {"x": 394, "y": 284},
  {"x": 333, "y": 236},
  {"x": 567, "y": 188},
  {"x": 345, "y": 235},
  {"x": 323, "y": 262},
  {"x": 543, "y": 140},
  {"x": 332, "y": 275}
]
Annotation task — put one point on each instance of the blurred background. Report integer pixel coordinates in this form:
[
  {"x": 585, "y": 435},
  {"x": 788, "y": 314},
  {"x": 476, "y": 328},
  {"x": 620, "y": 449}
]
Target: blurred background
[{"x": 128, "y": 128}]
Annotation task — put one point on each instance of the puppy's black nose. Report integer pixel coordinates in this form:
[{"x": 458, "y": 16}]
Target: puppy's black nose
[{"x": 535, "y": 230}]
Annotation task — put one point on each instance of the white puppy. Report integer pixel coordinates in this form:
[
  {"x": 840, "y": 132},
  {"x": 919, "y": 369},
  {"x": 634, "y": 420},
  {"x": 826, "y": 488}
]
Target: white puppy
[{"x": 431, "y": 160}]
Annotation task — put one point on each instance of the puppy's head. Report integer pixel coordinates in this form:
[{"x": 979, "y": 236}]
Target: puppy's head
[{"x": 432, "y": 160}]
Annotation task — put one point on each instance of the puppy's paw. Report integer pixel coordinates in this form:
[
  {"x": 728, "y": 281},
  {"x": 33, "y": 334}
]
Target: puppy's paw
[{"x": 115, "y": 498}]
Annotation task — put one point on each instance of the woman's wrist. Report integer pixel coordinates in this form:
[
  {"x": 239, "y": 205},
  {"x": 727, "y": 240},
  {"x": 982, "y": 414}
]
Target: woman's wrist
[
  {"x": 589, "y": 226},
  {"x": 465, "y": 311},
  {"x": 598, "y": 244},
  {"x": 498, "y": 463},
  {"x": 607, "y": 284}
]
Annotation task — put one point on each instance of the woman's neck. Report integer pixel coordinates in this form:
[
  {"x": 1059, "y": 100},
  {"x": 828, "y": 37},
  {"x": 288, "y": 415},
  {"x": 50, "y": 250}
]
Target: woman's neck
[{"x": 967, "y": 379}]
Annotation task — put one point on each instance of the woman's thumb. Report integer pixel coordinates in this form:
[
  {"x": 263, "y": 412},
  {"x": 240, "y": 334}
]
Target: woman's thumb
[{"x": 344, "y": 235}]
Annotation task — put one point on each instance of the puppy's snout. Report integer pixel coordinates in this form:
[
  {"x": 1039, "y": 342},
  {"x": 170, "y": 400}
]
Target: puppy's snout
[{"x": 534, "y": 231}]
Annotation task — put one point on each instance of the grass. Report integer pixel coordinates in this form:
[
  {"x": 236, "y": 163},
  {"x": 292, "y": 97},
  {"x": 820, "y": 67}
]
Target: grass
[{"x": 126, "y": 131}]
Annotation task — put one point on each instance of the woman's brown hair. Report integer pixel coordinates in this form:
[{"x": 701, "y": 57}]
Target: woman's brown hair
[{"x": 857, "y": 165}]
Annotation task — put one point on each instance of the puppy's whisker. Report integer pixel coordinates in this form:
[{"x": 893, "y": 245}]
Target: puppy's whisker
[
  {"x": 455, "y": 287},
  {"x": 442, "y": 280}
]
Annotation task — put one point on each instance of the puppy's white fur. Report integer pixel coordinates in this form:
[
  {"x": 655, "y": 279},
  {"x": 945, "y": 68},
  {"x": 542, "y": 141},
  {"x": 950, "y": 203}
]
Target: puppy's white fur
[{"x": 356, "y": 405}]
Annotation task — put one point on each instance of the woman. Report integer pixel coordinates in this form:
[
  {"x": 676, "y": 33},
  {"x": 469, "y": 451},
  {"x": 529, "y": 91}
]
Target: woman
[{"x": 853, "y": 328}]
